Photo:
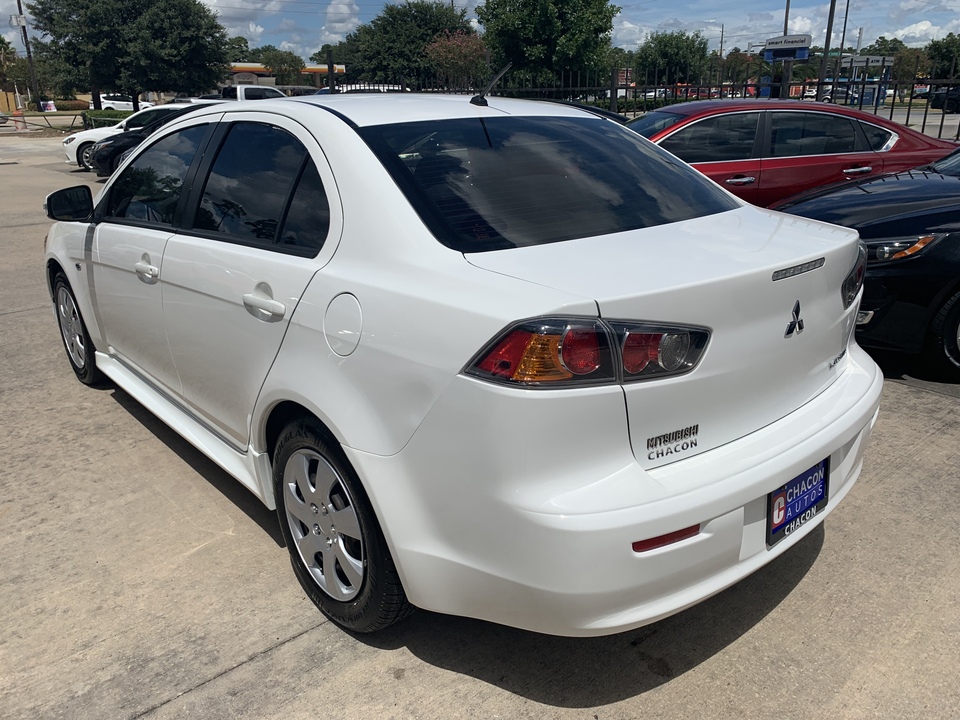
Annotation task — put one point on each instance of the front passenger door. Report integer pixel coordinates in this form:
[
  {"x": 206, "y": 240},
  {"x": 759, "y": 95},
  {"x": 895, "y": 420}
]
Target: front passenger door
[{"x": 138, "y": 216}]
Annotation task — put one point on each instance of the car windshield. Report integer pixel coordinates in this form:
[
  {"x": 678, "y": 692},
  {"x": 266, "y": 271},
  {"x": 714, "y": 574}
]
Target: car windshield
[
  {"x": 490, "y": 184},
  {"x": 653, "y": 122}
]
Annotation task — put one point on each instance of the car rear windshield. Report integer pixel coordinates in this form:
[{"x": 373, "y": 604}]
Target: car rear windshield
[{"x": 496, "y": 183}]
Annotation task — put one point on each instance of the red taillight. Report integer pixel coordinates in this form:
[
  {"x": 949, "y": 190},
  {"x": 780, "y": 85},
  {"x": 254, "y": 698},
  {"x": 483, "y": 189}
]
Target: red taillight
[
  {"x": 580, "y": 350},
  {"x": 639, "y": 349},
  {"x": 549, "y": 352},
  {"x": 668, "y": 539},
  {"x": 504, "y": 359},
  {"x": 568, "y": 351}
]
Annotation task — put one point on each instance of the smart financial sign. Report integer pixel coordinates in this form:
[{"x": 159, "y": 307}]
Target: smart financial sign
[{"x": 787, "y": 47}]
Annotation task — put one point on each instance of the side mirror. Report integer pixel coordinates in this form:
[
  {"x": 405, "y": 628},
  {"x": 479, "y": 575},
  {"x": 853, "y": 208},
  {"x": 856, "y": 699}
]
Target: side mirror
[{"x": 71, "y": 204}]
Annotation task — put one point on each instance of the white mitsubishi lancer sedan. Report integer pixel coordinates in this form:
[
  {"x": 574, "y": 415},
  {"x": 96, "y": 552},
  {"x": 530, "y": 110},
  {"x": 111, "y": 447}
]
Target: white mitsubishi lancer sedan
[{"x": 496, "y": 358}]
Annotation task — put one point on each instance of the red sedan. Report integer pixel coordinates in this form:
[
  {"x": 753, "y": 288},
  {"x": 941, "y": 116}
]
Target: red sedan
[{"x": 767, "y": 150}]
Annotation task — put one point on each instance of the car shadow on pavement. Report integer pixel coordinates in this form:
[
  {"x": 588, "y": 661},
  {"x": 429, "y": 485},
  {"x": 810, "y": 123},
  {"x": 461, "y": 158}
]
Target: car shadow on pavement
[
  {"x": 917, "y": 371},
  {"x": 591, "y": 672},
  {"x": 226, "y": 484}
]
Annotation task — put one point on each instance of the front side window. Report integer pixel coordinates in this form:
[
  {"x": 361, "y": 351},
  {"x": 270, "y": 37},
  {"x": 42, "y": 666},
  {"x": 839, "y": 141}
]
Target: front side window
[
  {"x": 502, "y": 182},
  {"x": 249, "y": 195},
  {"x": 715, "y": 139},
  {"x": 148, "y": 190},
  {"x": 808, "y": 133}
]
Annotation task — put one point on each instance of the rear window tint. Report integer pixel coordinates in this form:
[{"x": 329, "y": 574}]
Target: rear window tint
[{"x": 490, "y": 184}]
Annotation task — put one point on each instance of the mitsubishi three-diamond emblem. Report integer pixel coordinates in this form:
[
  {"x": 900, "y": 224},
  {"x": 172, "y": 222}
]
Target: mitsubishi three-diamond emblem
[{"x": 795, "y": 325}]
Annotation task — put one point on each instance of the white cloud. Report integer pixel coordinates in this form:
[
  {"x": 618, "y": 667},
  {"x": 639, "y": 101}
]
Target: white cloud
[{"x": 342, "y": 17}]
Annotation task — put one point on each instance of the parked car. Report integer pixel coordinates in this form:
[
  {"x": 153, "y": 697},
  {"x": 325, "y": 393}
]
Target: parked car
[
  {"x": 556, "y": 380},
  {"x": 911, "y": 224},
  {"x": 77, "y": 147},
  {"x": 921, "y": 92},
  {"x": 766, "y": 152},
  {"x": 119, "y": 102},
  {"x": 946, "y": 99},
  {"x": 106, "y": 155},
  {"x": 842, "y": 95},
  {"x": 949, "y": 165}
]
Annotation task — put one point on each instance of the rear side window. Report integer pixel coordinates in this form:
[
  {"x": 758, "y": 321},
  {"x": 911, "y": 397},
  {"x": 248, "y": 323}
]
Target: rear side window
[
  {"x": 263, "y": 189},
  {"x": 502, "y": 182},
  {"x": 807, "y": 133},
  {"x": 148, "y": 190},
  {"x": 715, "y": 139},
  {"x": 877, "y": 137}
]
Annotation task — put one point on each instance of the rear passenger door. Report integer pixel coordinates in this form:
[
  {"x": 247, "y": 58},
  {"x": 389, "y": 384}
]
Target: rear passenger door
[
  {"x": 724, "y": 148},
  {"x": 261, "y": 221},
  {"x": 808, "y": 149}
]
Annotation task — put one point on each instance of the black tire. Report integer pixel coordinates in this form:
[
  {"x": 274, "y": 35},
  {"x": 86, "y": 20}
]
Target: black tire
[
  {"x": 73, "y": 332},
  {"x": 83, "y": 156},
  {"x": 946, "y": 335},
  {"x": 347, "y": 573},
  {"x": 949, "y": 106}
]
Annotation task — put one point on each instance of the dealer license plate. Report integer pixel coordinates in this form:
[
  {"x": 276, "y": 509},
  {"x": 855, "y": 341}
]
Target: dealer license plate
[{"x": 793, "y": 505}]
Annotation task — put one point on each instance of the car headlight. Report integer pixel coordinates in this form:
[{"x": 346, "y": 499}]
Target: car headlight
[
  {"x": 102, "y": 144},
  {"x": 890, "y": 249},
  {"x": 69, "y": 139}
]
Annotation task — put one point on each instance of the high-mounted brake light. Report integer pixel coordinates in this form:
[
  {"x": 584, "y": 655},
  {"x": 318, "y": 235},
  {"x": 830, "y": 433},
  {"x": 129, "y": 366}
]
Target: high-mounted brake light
[{"x": 565, "y": 352}]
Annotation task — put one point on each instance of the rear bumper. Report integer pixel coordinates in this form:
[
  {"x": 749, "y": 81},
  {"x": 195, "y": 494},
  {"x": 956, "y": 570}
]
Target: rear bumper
[{"x": 527, "y": 519}]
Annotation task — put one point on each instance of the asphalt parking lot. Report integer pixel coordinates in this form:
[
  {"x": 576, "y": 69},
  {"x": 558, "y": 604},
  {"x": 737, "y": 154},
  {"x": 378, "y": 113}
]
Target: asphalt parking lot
[{"x": 137, "y": 580}]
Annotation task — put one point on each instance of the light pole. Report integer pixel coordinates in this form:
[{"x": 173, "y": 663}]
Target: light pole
[{"x": 21, "y": 21}]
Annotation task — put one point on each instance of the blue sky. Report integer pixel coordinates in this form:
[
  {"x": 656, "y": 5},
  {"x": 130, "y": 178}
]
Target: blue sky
[{"x": 302, "y": 26}]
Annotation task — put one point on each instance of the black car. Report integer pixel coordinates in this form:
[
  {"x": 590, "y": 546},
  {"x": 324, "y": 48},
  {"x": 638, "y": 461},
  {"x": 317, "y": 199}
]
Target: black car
[
  {"x": 946, "y": 99},
  {"x": 910, "y": 223},
  {"x": 107, "y": 154}
]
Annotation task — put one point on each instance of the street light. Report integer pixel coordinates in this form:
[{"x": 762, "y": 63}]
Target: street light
[{"x": 20, "y": 20}]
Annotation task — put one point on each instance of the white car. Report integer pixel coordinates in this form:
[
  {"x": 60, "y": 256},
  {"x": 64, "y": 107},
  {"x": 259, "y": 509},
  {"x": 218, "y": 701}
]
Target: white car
[
  {"x": 496, "y": 358},
  {"x": 119, "y": 102},
  {"x": 77, "y": 148}
]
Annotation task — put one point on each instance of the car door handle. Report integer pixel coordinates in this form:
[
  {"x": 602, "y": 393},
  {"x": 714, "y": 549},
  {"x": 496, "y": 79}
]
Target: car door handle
[
  {"x": 858, "y": 171},
  {"x": 147, "y": 272},
  {"x": 742, "y": 180},
  {"x": 269, "y": 306}
]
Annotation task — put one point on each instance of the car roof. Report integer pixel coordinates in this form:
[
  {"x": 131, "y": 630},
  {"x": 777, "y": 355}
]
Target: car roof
[
  {"x": 707, "y": 107},
  {"x": 874, "y": 197},
  {"x": 387, "y": 108}
]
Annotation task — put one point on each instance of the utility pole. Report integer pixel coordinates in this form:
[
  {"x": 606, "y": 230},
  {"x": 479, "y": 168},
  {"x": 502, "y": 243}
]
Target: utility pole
[
  {"x": 21, "y": 20},
  {"x": 786, "y": 71},
  {"x": 826, "y": 50}
]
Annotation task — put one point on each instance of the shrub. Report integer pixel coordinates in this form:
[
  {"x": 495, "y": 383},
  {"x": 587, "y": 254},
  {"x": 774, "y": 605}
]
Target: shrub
[{"x": 72, "y": 105}]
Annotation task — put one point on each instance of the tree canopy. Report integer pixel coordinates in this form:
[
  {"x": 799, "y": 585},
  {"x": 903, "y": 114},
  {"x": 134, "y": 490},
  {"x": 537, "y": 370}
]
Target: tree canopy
[
  {"x": 545, "y": 37},
  {"x": 133, "y": 45},
  {"x": 285, "y": 65},
  {"x": 390, "y": 48},
  {"x": 672, "y": 57}
]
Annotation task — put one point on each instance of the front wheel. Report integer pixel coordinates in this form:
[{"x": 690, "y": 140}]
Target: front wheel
[
  {"x": 85, "y": 156},
  {"x": 73, "y": 332},
  {"x": 950, "y": 106},
  {"x": 946, "y": 335},
  {"x": 336, "y": 547}
]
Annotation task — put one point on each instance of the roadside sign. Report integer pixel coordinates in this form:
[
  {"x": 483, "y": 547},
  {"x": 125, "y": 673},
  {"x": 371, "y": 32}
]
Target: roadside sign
[{"x": 788, "y": 41}]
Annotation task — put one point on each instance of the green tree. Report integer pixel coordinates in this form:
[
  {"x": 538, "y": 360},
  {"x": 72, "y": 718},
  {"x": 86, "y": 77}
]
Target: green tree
[
  {"x": 390, "y": 48},
  {"x": 237, "y": 50},
  {"x": 174, "y": 45},
  {"x": 673, "y": 57},
  {"x": 285, "y": 65},
  {"x": 883, "y": 46},
  {"x": 134, "y": 45},
  {"x": 458, "y": 57},
  {"x": 943, "y": 55},
  {"x": 7, "y": 56},
  {"x": 545, "y": 37}
]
